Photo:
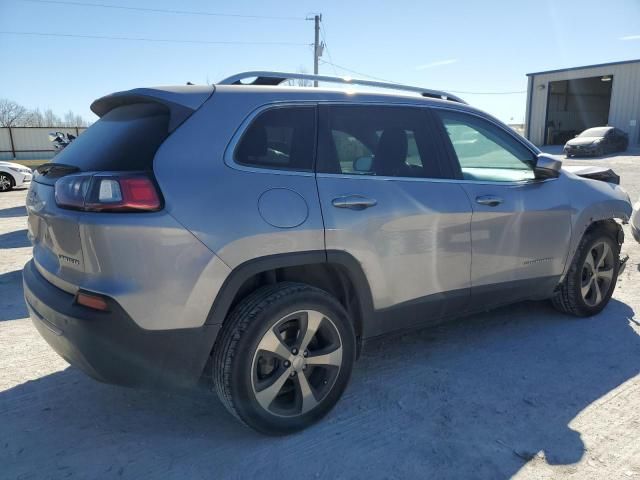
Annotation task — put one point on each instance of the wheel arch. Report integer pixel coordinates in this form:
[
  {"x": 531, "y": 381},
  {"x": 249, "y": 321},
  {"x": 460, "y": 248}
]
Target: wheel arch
[
  {"x": 336, "y": 272},
  {"x": 608, "y": 223}
]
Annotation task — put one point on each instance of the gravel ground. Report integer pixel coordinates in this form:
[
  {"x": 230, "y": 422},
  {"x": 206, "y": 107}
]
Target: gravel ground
[{"x": 522, "y": 391}]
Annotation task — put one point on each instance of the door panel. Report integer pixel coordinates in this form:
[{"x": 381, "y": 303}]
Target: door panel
[
  {"x": 413, "y": 243},
  {"x": 410, "y": 235},
  {"x": 521, "y": 226},
  {"x": 525, "y": 237}
]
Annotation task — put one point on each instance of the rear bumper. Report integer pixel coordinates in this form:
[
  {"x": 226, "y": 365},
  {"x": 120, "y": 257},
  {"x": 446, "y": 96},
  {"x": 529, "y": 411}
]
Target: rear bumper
[{"x": 110, "y": 346}]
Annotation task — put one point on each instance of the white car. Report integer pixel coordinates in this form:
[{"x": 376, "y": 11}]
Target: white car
[
  {"x": 13, "y": 175},
  {"x": 635, "y": 221}
]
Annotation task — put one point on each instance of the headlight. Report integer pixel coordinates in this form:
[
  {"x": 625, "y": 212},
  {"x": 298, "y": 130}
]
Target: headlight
[
  {"x": 20, "y": 169},
  {"x": 596, "y": 142}
]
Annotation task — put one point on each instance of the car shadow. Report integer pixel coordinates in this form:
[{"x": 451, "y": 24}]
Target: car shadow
[
  {"x": 475, "y": 398},
  {"x": 13, "y": 306},
  {"x": 15, "y": 239},
  {"x": 13, "y": 212}
]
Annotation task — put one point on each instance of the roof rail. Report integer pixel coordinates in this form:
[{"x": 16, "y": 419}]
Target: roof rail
[{"x": 276, "y": 78}]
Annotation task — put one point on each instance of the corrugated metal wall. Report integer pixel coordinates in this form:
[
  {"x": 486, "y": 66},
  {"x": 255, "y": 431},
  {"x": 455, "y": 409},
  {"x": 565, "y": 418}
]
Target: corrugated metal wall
[
  {"x": 30, "y": 143},
  {"x": 625, "y": 98}
]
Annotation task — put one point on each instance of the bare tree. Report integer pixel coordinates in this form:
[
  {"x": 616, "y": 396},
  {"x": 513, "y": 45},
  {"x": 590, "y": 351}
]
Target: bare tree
[
  {"x": 12, "y": 114},
  {"x": 300, "y": 82},
  {"x": 51, "y": 119},
  {"x": 73, "y": 120},
  {"x": 34, "y": 118}
]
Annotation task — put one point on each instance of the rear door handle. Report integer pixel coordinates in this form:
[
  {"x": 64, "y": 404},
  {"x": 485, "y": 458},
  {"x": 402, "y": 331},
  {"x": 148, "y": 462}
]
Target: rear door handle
[
  {"x": 354, "y": 202},
  {"x": 490, "y": 200}
]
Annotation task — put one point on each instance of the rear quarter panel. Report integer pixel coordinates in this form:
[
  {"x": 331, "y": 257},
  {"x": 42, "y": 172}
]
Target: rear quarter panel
[{"x": 218, "y": 203}]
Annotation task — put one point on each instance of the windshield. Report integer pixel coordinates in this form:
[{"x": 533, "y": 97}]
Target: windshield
[{"x": 595, "y": 132}]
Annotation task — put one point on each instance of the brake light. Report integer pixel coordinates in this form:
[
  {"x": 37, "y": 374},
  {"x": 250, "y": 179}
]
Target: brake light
[{"x": 117, "y": 192}]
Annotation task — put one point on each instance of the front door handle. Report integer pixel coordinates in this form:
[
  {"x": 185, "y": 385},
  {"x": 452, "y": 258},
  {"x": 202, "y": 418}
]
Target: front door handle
[
  {"x": 354, "y": 202},
  {"x": 490, "y": 200}
]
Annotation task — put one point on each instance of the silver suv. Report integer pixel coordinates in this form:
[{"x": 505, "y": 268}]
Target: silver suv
[{"x": 258, "y": 235}]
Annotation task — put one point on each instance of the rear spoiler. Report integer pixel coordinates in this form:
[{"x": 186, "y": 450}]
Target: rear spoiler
[{"x": 181, "y": 101}]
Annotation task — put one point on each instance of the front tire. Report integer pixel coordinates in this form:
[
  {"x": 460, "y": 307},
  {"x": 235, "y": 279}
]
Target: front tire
[
  {"x": 284, "y": 357},
  {"x": 592, "y": 276},
  {"x": 6, "y": 182}
]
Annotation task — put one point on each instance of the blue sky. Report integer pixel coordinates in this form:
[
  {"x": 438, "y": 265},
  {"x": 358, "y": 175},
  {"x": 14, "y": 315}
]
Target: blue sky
[{"x": 469, "y": 46}]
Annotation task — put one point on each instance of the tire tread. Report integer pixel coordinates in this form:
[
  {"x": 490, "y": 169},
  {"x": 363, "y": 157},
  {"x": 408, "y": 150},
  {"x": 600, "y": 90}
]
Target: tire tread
[
  {"x": 564, "y": 299},
  {"x": 236, "y": 324}
]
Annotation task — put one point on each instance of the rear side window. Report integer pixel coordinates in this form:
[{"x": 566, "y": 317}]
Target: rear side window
[
  {"x": 280, "y": 138},
  {"x": 377, "y": 140},
  {"x": 126, "y": 138}
]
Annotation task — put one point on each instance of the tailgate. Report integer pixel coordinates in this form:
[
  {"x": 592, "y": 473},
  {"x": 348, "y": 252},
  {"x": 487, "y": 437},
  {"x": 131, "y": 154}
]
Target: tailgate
[{"x": 55, "y": 234}]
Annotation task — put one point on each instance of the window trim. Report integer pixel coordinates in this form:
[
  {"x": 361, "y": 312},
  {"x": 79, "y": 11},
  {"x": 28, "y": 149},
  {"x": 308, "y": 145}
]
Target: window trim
[
  {"x": 236, "y": 138},
  {"x": 228, "y": 156}
]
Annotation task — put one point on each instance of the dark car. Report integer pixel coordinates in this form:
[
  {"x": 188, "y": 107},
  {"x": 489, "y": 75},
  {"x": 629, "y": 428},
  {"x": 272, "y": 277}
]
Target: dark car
[{"x": 597, "y": 141}]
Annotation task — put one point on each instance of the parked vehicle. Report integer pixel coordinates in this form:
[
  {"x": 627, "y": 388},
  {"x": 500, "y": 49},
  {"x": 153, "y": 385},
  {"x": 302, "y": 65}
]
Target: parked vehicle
[
  {"x": 61, "y": 140},
  {"x": 635, "y": 222},
  {"x": 13, "y": 175},
  {"x": 313, "y": 220},
  {"x": 597, "y": 141}
]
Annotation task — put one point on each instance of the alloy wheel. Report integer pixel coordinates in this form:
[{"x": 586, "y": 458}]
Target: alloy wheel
[
  {"x": 5, "y": 183},
  {"x": 296, "y": 363},
  {"x": 597, "y": 274}
]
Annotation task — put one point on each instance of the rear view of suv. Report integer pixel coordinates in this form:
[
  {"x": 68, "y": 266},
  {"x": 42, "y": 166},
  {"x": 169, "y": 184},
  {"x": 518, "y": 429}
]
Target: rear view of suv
[{"x": 258, "y": 235}]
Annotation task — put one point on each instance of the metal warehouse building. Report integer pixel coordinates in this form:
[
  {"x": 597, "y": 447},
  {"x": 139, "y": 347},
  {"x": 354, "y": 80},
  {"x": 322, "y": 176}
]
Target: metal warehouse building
[{"x": 562, "y": 103}]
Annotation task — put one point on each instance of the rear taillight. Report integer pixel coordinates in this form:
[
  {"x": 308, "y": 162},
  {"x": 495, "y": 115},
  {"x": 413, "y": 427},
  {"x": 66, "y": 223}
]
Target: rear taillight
[{"x": 113, "y": 192}]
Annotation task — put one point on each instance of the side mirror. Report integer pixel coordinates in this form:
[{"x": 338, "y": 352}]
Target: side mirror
[
  {"x": 547, "y": 166},
  {"x": 363, "y": 164}
]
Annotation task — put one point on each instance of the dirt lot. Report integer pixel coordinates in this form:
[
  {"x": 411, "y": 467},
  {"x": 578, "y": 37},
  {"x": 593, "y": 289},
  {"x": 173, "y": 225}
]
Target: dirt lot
[{"x": 523, "y": 391}]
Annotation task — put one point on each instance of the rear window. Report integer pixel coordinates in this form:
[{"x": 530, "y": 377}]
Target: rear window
[
  {"x": 280, "y": 138},
  {"x": 126, "y": 138}
]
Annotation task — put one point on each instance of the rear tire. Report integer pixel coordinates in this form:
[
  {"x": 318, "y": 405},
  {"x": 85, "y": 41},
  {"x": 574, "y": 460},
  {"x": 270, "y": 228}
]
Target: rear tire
[
  {"x": 284, "y": 357},
  {"x": 592, "y": 276},
  {"x": 6, "y": 182}
]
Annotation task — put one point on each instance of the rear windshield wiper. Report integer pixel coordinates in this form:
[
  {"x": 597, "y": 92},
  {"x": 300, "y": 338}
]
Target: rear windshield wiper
[{"x": 56, "y": 169}]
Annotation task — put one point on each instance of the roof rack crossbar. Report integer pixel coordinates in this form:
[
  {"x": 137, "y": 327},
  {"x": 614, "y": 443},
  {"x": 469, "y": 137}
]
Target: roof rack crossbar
[{"x": 276, "y": 78}]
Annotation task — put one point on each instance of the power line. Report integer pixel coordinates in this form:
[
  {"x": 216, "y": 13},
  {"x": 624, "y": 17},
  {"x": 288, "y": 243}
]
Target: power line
[
  {"x": 357, "y": 73},
  {"x": 391, "y": 81},
  {"x": 326, "y": 46},
  {"x": 145, "y": 39},
  {"x": 161, "y": 10},
  {"x": 488, "y": 93}
]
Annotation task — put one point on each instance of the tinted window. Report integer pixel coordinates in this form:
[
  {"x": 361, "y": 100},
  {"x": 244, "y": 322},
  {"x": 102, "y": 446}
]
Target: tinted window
[
  {"x": 280, "y": 138},
  {"x": 126, "y": 138},
  {"x": 486, "y": 152},
  {"x": 376, "y": 140}
]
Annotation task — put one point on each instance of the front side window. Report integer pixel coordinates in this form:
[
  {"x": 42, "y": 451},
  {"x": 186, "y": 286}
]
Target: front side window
[
  {"x": 280, "y": 138},
  {"x": 376, "y": 140},
  {"x": 484, "y": 151}
]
